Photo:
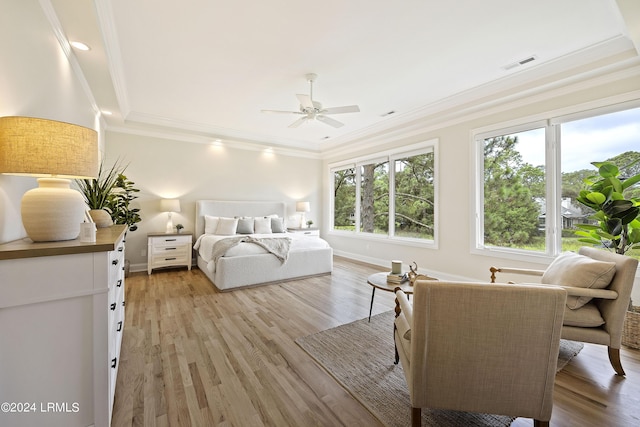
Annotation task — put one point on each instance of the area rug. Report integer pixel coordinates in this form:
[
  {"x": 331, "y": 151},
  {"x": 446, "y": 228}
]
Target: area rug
[{"x": 359, "y": 355}]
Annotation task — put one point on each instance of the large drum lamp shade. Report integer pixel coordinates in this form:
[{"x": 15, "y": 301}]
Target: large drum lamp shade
[{"x": 53, "y": 152}]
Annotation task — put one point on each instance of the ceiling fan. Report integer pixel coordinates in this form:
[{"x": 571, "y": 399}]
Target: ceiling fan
[{"x": 310, "y": 109}]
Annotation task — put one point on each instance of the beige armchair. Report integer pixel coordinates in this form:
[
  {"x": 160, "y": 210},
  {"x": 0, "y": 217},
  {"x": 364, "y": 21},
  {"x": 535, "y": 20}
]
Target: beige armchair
[
  {"x": 480, "y": 347},
  {"x": 599, "y": 285}
]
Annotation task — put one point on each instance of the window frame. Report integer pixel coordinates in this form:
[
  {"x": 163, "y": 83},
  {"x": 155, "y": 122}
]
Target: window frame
[
  {"x": 552, "y": 123},
  {"x": 390, "y": 156}
]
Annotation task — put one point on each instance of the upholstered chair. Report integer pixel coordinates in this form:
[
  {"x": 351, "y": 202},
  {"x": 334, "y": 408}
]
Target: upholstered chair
[
  {"x": 598, "y": 284},
  {"x": 478, "y": 347}
]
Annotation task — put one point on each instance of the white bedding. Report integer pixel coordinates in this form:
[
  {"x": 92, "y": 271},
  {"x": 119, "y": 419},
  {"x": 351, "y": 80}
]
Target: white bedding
[{"x": 204, "y": 245}]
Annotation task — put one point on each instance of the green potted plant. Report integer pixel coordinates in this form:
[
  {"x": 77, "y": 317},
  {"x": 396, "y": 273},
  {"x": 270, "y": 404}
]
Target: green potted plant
[
  {"x": 96, "y": 193},
  {"x": 617, "y": 214},
  {"x": 119, "y": 201}
]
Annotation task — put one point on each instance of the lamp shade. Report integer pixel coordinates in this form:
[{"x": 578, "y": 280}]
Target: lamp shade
[
  {"x": 170, "y": 205},
  {"x": 45, "y": 148},
  {"x": 53, "y": 151},
  {"x": 303, "y": 207}
]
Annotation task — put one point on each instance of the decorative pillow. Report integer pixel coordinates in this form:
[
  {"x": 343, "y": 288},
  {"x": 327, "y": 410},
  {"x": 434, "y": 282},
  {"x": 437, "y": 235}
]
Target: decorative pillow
[
  {"x": 245, "y": 226},
  {"x": 277, "y": 225},
  {"x": 587, "y": 317},
  {"x": 227, "y": 226},
  {"x": 210, "y": 224},
  {"x": 262, "y": 225},
  {"x": 571, "y": 269}
]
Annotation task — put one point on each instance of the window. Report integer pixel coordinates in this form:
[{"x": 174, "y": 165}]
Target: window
[
  {"x": 391, "y": 195},
  {"x": 529, "y": 177}
]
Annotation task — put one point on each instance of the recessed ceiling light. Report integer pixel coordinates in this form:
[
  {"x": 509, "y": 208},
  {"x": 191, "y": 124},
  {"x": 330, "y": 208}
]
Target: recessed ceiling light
[{"x": 80, "y": 46}]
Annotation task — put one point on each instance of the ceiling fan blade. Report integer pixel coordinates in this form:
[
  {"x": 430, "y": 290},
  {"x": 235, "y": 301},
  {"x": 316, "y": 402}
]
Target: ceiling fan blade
[
  {"x": 341, "y": 110},
  {"x": 329, "y": 121},
  {"x": 280, "y": 112},
  {"x": 298, "y": 122},
  {"x": 305, "y": 101}
]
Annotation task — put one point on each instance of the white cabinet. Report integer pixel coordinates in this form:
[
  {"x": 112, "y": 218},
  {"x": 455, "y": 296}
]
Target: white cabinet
[
  {"x": 169, "y": 250},
  {"x": 61, "y": 332}
]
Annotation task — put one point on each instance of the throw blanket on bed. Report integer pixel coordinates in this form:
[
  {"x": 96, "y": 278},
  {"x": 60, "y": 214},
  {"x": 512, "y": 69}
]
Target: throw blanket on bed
[{"x": 277, "y": 246}]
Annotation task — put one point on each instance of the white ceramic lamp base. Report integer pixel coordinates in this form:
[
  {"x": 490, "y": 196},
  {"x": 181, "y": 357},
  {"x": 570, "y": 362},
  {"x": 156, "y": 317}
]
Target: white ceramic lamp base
[{"x": 53, "y": 211}]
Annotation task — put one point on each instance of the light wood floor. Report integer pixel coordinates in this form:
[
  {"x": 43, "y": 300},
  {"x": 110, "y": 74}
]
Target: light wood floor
[{"x": 192, "y": 356}]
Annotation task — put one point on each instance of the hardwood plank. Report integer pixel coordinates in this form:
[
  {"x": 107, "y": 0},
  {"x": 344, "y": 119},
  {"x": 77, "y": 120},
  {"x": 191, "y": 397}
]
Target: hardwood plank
[{"x": 195, "y": 356}]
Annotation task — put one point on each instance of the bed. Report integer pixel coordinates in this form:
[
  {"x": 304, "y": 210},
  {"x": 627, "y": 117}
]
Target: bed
[{"x": 247, "y": 263}]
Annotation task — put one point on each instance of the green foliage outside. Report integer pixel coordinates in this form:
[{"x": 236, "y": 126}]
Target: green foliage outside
[
  {"x": 414, "y": 195},
  {"x": 512, "y": 187}
]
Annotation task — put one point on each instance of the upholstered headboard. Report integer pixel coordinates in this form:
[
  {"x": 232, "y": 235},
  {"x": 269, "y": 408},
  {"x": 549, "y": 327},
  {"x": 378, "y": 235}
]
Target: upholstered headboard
[{"x": 232, "y": 209}]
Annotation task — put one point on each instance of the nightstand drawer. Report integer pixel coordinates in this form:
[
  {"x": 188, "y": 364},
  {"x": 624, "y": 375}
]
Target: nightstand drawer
[
  {"x": 174, "y": 250},
  {"x": 167, "y": 241},
  {"x": 169, "y": 259}
]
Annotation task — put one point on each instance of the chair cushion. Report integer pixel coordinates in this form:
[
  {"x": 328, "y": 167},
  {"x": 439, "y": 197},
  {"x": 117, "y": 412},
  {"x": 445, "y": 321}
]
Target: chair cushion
[
  {"x": 587, "y": 316},
  {"x": 571, "y": 269}
]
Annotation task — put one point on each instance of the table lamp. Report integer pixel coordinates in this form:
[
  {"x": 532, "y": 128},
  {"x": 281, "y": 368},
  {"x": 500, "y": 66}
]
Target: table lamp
[
  {"x": 54, "y": 152},
  {"x": 302, "y": 207},
  {"x": 170, "y": 206}
]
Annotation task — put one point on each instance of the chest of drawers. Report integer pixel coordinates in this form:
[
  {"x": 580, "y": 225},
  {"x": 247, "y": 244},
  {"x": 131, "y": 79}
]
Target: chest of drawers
[
  {"x": 62, "y": 311},
  {"x": 169, "y": 250}
]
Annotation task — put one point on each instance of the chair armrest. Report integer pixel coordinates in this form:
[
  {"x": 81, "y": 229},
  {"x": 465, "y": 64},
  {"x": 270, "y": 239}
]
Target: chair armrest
[
  {"x": 526, "y": 271},
  {"x": 405, "y": 306},
  {"x": 583, "y": 292}
]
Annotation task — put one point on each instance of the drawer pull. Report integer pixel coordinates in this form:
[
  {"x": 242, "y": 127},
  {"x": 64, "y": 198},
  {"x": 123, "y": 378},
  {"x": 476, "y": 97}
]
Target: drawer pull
[
  {"x": 170, "y": 240},
  {"x": 170, "y": 259},
  {"x": 119, "y": 283},
  {"x": 120, "y": 249},
  {"x": 119, "y": 326},
  {"x": 113, "y": 306},
  {"x": 170, "y": 249},
  {"x": 114, "y": 362},
  {"x": 114, "y": 262},
  {"x": 123, "y": 303}
]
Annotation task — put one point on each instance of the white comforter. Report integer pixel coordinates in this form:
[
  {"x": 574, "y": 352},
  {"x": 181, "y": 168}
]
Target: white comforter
[{"x": 204, "y": 245}]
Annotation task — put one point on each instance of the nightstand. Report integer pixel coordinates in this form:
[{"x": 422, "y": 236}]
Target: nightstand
[
  {"x": 169, "y": 250},
  {"x": 308, "y": 232}
]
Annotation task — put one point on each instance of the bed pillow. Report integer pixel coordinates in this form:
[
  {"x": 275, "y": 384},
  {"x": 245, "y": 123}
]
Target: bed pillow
[
  {"x": 571, "y": 269},
  {"x": 210, "y": 224},
  {"x": 227, "y": 226},
  {"x": 277, "y": 225},
  {"x": 262, "y": 225},
  {"x": 245, "y": 226}
]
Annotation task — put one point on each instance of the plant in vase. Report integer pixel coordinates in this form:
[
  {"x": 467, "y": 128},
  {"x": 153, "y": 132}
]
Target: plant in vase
[
  {"x": 179, "y": 228},
  {"x": 617, "y": 216},
  {"x": 309, "y": 224},
  {"x": 109, "y": 196},
  {"x": 96, "y": 194}
]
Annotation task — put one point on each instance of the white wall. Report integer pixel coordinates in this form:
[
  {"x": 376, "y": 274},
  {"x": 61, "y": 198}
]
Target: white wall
[
  {"x": 163, "y": 168},
  {"x": 36, "y": 80},
  {"x": 453, "y": 259}
]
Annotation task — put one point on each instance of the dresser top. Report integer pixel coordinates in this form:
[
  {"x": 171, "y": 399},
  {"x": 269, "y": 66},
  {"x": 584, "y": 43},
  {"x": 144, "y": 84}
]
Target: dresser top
[{"x": 106, "y": 239}]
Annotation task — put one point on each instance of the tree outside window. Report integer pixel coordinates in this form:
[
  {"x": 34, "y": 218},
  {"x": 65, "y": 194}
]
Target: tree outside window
[
  {"x": 531, "y": 205},
  {"x": 400, "y": 186}
]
